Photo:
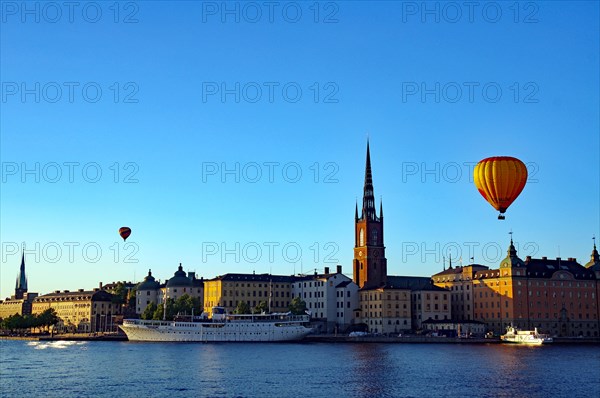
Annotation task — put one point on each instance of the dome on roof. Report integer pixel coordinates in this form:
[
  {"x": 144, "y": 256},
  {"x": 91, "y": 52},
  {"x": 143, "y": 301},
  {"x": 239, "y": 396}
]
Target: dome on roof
[
  {"x": 594, "y": 263},
  {"x": 149, "y": 283},
  {"x": 179, "y": 279},
  {"x": 512, "y": 260}
]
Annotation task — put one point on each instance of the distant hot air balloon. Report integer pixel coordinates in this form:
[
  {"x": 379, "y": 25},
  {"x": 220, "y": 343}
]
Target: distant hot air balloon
[
  {"x": 500, "y": 179},
  {"x": 124, "y": 232}
]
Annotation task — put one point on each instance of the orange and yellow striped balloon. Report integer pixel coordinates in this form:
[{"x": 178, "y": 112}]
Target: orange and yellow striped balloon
[{"x": 500, "y": 179}]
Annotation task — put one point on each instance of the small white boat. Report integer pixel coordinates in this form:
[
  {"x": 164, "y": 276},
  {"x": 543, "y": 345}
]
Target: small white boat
[
  {"x": 222, "y": 327},
  {"x": 530, "y": 337}
]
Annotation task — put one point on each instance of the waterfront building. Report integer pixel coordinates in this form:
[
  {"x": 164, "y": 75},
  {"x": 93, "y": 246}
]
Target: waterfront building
[
  {"x": 330, "y": 297},
  {"x": 20, "y": 303},
  {"x": 147, "y": 292},
  {"x": 558, "y": 296},
  {"x": 346, "y": 294},
  {"x": 388, "y": 304},
  {"x": 458, "y": 280},
  {"x": 151, "y": 291},
  {"x": 81, "y": 310},
  {"x": 428, "y": 301},
  {"x": 182, "y": 283},
  {"x": 386, "y": 309},
  {"x": 228, "y": 290}
]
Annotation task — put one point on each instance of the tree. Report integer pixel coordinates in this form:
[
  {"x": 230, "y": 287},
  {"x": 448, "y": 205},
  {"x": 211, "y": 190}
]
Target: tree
[
  {"x": 160, "y": 311},
  {"x": 297, "y": 306},
  {"x": 14, "y": 322},
  {"x": 242, "y": 308},
  {"x": 119, "y": 293},
  {"x": 132, "y": 295},
  {"x": 261, "y": 307},
  {"x": 185, "y": 304},
  {"x": 149, "y": 311}
]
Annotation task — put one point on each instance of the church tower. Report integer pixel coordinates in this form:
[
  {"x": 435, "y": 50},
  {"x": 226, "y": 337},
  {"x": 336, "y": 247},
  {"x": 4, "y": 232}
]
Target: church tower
[
  {"x": 370, "y": 264},
  {"x": 21, "y": 285}
]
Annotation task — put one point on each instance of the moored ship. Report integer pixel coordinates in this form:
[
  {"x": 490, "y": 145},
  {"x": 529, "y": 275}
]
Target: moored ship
[
  {"x": 220, "y": 328},
  {"x": 531, "y": 337}
]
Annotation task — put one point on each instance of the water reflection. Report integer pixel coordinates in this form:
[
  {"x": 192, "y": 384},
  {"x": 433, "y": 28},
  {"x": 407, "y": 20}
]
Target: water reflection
[{"x": 371, "y": 369}]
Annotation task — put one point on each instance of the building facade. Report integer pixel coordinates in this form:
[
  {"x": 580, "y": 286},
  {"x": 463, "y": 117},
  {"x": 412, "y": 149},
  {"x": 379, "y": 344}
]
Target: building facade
[
  {"x": 330, "y": 298},
  {"x": 228, "y": 290},
  {"x": 459, "y": 281},
  {"x": 151, "y": 291},
  {"x": 80, "y": 311},
  {"x": 558, "y": 296},
  {"x": 428, "y": 302},
  {"x": 147, "y": 292}
]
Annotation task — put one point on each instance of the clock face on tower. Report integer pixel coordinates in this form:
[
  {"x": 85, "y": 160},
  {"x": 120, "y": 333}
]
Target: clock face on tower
[{"x": 375, "y": 253}]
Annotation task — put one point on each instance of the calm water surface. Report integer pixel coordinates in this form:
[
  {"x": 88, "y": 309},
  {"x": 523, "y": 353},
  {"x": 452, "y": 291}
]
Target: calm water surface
[{"x": 124, "y": 369}]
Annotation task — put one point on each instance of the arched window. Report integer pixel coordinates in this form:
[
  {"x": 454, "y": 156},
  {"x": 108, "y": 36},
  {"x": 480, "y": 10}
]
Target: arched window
[
  {"x": 361, "y": 237},
  {"x": 374, "y": 236}
]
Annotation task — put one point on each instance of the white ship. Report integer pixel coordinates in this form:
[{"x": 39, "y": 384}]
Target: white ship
[
  {"x": 222, "y": 327},
  {"x": 531, "y": 337}
]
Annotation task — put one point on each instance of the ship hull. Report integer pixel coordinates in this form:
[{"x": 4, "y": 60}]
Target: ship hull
[{"x": 213, "y": 332}]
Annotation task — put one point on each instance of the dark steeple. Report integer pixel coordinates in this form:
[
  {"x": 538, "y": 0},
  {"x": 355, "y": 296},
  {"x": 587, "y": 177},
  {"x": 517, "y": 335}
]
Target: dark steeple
[
  {"x": 381, "y": 208},
  {"x": 21, "y": 285},
  {"x": 370, "y": 264},
  {"x": 511, "y": 260},
  {"x": 512, "y": 252},
  {"x": 368, "y": 210},
  {"x": 356, "y": 212}
]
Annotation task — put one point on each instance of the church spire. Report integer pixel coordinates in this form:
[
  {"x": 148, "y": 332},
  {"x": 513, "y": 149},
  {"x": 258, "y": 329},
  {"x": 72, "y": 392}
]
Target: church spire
[
  {"x": 381, "y": 208},
  {"x": 512, "y": 252},
  {"x": 356, "y": 212},
  {"x": 21, "y": 284},
  {"x": 368, "y": 210}
]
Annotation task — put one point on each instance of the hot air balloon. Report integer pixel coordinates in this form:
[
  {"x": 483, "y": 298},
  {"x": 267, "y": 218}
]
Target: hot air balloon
[
  {"x": 500, "y": 179},
  {"x": 124, "y": 232}
]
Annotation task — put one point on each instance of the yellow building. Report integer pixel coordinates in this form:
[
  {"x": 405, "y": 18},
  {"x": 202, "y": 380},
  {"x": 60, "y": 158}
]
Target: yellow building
[
  {"x": 14, "y": 306},
  {"x": 459, "y": 281},
  {"x": 385, "y": 310},
  {"x": 80, "y": 311},
  {"x": 229, "y": 289}
]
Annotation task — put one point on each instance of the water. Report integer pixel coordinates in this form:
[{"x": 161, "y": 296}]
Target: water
[{"x": 124, "y": 369}]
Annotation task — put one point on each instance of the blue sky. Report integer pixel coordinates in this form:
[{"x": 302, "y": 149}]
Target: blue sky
[{"x": 187, "y": 92}]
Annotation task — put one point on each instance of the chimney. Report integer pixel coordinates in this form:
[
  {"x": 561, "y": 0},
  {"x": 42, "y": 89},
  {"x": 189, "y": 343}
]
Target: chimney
[
  {"x": 100, "y": 286},
  {"x": 528, "y": 258},
  {"x": 66, "y": 291},
  {"x": 339, "y": 269},
  {"x": 557, "y": 258},
  {"x": 544, "y": 258},
  {"x": 191, "y": 275},
  {"x": 326, "y": 270},
  {"x": 80, "y": 290}
]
